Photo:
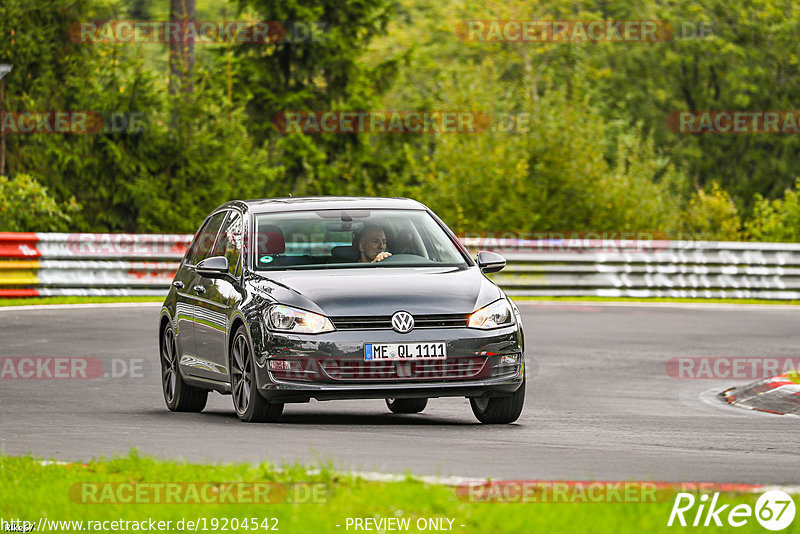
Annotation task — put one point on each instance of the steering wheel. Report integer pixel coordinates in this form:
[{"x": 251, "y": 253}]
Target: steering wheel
[{"x": 404, "y": 258}]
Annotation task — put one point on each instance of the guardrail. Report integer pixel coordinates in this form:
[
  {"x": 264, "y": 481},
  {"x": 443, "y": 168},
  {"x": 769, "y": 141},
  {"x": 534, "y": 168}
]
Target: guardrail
[
  {"x": 42, "y": 264},
  {"x": 656, "y": 268}
]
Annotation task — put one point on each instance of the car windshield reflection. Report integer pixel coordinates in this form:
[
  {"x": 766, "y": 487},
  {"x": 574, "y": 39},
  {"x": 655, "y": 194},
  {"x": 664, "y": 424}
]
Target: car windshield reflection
[{"x": 337, "y": 239}]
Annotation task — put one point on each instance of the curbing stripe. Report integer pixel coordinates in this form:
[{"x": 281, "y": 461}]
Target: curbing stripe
[
  {"x": 19, "y": 293},
  {"x": 372, "y": 476},
  {"x": 777, "y": 395}
]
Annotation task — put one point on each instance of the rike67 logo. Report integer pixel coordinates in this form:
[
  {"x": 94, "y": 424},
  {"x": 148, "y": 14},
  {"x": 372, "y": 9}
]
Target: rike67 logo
[{"x": 774, "y": 510}]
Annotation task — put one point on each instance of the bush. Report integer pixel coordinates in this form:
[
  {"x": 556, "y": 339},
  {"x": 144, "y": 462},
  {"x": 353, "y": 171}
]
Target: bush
[
  {"x": 776, "y": 220},
  {"x": 554, "y": 177},
  {"x": 26, "y": 206},
  {"x": 712, "y": 215}
]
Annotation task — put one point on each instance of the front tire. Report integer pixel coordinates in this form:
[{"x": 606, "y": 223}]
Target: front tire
[
  {"x": 406, "y": 405},
  {"x": 179, "y": 396},
  {"x": 250, "y": 406},
  {"x": 499, "y": 410}
]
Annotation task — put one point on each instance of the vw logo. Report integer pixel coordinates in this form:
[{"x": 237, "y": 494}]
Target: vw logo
[{"x": 402, "y": 322}]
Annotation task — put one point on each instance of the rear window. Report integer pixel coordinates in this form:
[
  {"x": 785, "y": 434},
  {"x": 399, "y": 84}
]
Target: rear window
[{"x": 347, "y": 239}]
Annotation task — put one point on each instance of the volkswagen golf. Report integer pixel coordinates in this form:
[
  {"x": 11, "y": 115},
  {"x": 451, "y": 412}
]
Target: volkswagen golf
[{"x": 290, "y": 299}]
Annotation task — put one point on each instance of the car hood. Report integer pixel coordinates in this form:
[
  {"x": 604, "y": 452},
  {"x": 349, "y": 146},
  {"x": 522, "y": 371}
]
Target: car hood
[{"x": 380, "y": 291}]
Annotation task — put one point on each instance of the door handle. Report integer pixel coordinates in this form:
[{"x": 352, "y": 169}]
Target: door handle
[
  {"x": 178, "y": 284},
  {"x": 199, "y": 289}
]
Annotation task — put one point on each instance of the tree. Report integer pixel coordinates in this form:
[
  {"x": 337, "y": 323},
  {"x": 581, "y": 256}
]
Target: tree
[
  {"x": 316, "y": 66},
  {"x": 181, "y": 51}
]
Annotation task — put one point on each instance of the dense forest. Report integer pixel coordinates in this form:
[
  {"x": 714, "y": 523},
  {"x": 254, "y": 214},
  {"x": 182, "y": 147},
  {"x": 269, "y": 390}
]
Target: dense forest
[{"x": 579, "y": 138}]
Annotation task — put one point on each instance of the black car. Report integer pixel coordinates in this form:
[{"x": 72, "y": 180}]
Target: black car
[{"x": 285, "y": 300}]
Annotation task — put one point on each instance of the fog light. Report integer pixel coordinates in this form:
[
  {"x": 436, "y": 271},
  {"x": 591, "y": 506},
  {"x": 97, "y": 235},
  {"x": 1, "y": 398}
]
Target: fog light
[
  {"x": 284, "y": 365},
  {"x": 509, "y": 359}
]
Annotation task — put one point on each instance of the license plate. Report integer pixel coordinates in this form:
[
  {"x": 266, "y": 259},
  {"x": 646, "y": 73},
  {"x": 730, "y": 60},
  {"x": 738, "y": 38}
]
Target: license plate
[{"x": 404, "y": 351}]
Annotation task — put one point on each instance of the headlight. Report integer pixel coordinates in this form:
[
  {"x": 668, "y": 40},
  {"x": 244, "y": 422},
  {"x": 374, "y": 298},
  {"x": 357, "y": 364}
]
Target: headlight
[
  {"x": 494, "y": 315},
  {"x": 286, "y": 319}
]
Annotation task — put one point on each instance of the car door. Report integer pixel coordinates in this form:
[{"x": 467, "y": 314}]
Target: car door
[
  {"x": 201, "y": 248},
  {"x": 185, "y": 297},
  {"x": 184, "y": 311},
  {"x": 216, "y": 298}
]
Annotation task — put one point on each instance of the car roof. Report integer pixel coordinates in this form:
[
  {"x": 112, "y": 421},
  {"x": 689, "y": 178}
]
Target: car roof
[{"x": 267, "y": 205}]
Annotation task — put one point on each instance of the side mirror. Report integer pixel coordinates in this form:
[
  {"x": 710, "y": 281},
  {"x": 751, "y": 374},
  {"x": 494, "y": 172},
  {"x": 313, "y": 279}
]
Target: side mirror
[
  {"x": 213, "y": 267},
  {"x": 490, "y": 262}
]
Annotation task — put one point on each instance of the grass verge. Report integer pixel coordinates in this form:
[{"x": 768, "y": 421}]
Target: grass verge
[
  {"x": 32, "y": 491},
  {"x": 35, "y": 301}
]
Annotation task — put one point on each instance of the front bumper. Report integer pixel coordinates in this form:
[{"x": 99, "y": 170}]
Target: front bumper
[{"x": 331, "y": 366}]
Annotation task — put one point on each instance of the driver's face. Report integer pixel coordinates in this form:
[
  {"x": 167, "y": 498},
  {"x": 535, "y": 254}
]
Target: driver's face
[{"x": 373, "y": 243}]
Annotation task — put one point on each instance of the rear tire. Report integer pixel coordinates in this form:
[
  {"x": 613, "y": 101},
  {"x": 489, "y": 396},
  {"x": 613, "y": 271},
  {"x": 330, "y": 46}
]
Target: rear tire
[
  {"x": 179, "y": 396},
  {"x": 406, "y": 405},
  {"x": 250, "y": 405},
  {"x": 499, "y": 410}
]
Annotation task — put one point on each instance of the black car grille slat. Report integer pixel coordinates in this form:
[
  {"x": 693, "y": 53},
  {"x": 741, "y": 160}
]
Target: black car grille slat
[
  {"x": 354, "y": 370},
  {"x": 420, "y": 321},
  {"x": 361, "y": 323}
]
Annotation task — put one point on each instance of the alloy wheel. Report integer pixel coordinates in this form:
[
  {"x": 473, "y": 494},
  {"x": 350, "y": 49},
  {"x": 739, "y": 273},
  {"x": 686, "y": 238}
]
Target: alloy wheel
[
  {"x": 169, "y": 369},
  {"x": 241, "y": 374}
]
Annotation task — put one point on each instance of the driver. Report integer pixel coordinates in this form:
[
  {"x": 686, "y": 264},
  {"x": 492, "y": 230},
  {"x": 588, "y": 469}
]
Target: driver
[{"x": 372, "y": 244}]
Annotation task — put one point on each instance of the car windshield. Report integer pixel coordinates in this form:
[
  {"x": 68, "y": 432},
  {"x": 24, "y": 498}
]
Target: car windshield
[{"x": 327, "y": 239}]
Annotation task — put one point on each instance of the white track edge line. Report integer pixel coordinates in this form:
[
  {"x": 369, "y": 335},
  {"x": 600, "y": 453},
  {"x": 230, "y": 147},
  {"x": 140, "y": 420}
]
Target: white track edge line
[{"x": 80, "y": 306}]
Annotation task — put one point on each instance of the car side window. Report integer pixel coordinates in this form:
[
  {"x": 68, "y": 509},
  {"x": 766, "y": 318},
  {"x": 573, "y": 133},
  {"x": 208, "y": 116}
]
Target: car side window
[
  {"x": 229, "y": 241},
  {"x": 204, "y": 240}
]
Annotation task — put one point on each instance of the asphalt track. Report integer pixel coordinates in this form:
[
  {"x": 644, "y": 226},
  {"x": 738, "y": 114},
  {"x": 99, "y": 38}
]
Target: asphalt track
[{"x": 600, "y": 404}]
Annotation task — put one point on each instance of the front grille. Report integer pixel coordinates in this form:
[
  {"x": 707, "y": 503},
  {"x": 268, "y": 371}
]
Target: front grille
[
  {"x": 361, "y": 323},
  {"x": 361, "y": 371},
  {"x": 458, "y": 320}
]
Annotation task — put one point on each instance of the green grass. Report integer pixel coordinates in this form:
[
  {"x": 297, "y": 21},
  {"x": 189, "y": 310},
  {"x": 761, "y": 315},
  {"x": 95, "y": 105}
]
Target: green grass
[
  {"x": 661, "y": 299},
  {"x": 75, "y": 300},
  {"x": 30, "y": 490}
]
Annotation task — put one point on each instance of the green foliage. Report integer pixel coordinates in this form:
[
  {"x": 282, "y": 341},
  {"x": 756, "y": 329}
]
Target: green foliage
[
  {"x": 322, "y": 71},
  {"x": 154, "y": 177},
  {"x": 209, "y": 159},
  {"x": 552, "y": 178},
  {"x": 712, "y": 215},
  {"x": 748, "y": 61},
  {"x": 26, "y": 206},
  {"x": 776, "y": 220},
  {"x": 597, "y": 154},
  {"x": 563, "y": 167},
  {"x": 326, "y": 498}
]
